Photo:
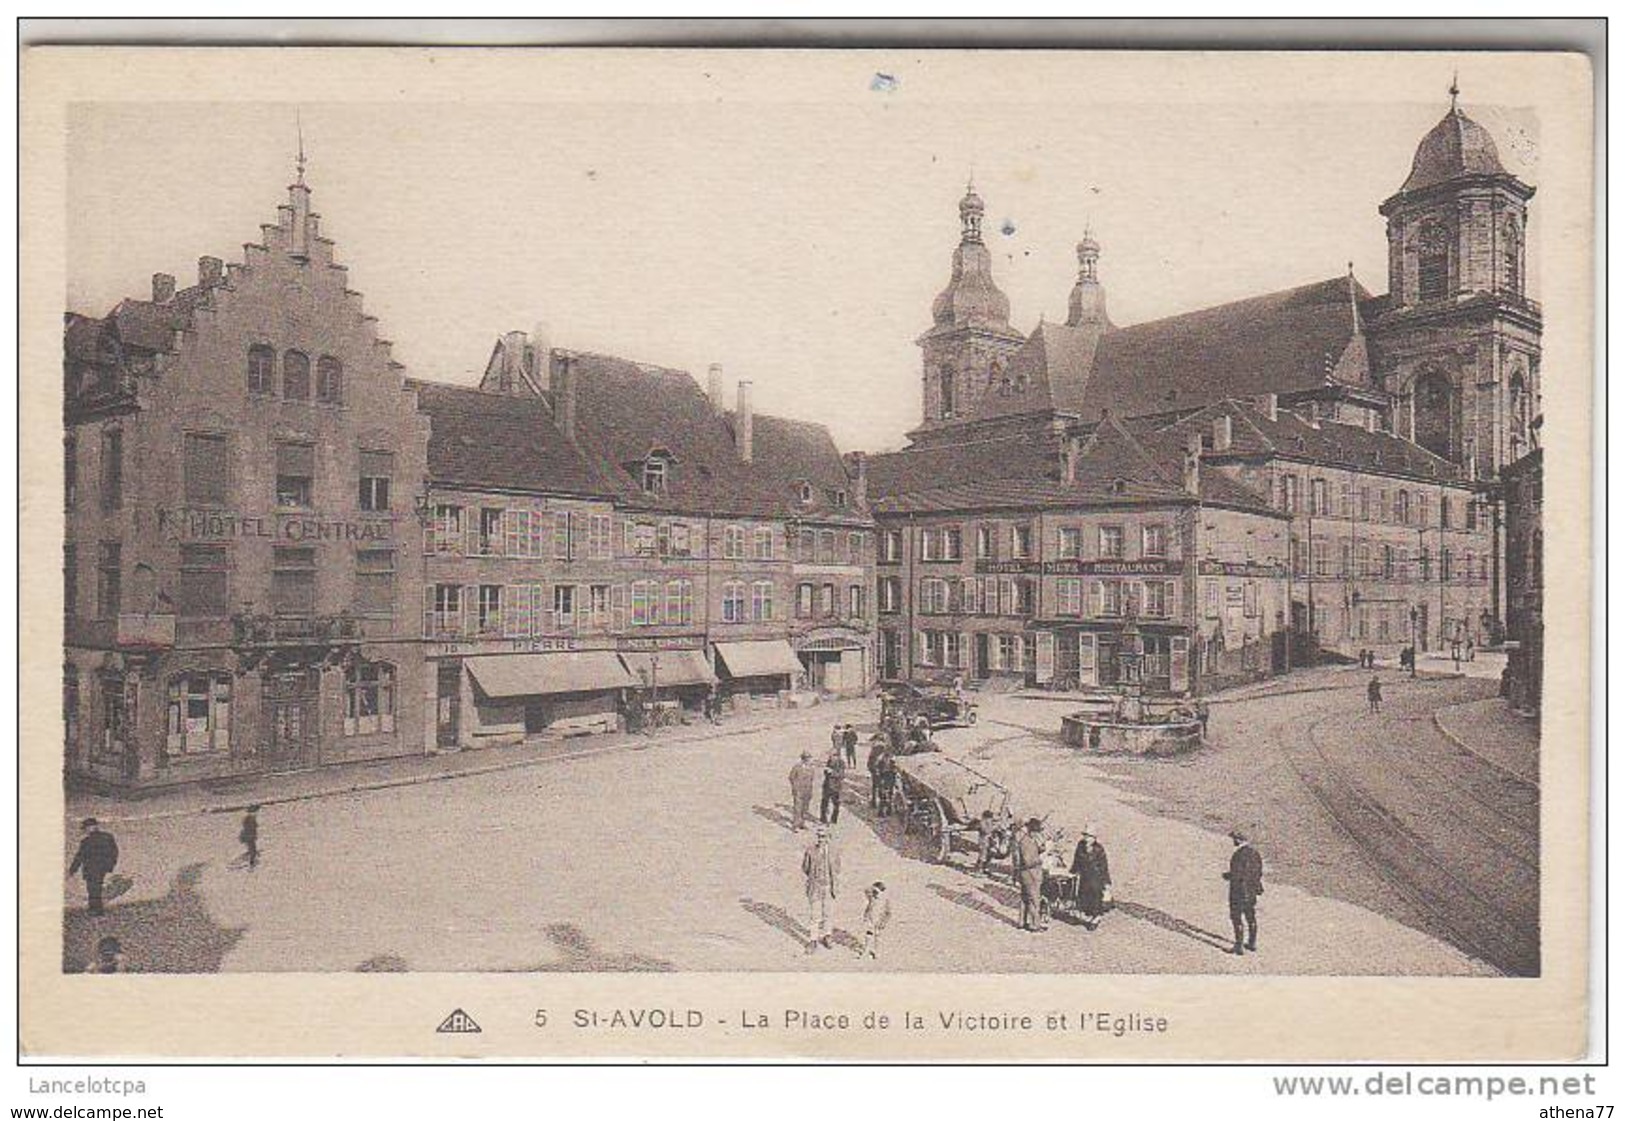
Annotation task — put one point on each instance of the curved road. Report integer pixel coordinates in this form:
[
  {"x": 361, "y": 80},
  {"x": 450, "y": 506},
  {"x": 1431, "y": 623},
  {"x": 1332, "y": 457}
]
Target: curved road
[{"x": 1453, "y": 833}]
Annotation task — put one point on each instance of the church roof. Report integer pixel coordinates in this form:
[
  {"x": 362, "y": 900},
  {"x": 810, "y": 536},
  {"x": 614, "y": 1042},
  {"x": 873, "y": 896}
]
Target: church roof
[{"x": 1457, "y": 146}]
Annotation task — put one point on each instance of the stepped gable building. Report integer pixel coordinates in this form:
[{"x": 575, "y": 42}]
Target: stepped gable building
[
  {"x": 243, "y": 463},
  {"x": 738, "y": 535},
  {"x": 1392, "y": 414}
]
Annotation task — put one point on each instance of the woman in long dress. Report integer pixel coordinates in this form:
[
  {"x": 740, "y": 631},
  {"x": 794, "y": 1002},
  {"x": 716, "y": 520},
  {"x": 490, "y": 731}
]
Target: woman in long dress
[{"x": 1094, "y": 879}]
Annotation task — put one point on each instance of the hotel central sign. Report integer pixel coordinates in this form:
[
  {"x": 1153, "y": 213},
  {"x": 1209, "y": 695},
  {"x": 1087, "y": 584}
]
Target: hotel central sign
[{"x": 185, "y": 524}]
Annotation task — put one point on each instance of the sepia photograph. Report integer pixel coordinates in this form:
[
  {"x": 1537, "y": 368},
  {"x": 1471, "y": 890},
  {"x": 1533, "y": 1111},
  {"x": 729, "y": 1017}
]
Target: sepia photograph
[{"x": 991, "y": 523}]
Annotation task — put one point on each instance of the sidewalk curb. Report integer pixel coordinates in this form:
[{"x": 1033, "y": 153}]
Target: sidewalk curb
[
  {"x": 421, "y": 780},
  {"x": 1488, "y": 762}
]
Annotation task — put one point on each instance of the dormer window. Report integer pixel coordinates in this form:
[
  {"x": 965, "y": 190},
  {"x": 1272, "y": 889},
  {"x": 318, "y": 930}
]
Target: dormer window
[
  {"x": 839, "y": 498},
  {"x": 804, "y": 493},
  {"x": 655, "y": 471}
]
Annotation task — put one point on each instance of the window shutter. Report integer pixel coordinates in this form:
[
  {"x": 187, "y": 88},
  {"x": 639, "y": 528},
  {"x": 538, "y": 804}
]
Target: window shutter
[
  {"x": 471, "y": 594},
  {"x": 1087, "y": 673},
  {"x": 428, "y": 612},
  {"x": 1179, "y": 668}
]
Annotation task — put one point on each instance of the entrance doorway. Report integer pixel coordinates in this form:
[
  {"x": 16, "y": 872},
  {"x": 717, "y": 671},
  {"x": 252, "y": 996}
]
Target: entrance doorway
[
  {"x": 982, "y": 661},
  {"x": 292, "y": 707},
  {"x": 448, "y": 703}
]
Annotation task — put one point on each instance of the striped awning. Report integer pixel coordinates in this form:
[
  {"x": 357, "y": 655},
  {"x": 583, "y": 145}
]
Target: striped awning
[
  {"x": 528, "y": 675},
  {"x": 675, "y": 667}
]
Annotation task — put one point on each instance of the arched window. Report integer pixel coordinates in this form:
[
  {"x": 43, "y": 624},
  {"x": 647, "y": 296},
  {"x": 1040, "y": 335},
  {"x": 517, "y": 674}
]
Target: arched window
[
  {"x": 1433, "y": 263},
  {"x": 1518, "y": 414},
  {"x": 261, "y": 361},
  {"x": 1512, "y": 257},
  {"x": 947, "y": 392},
  {"x": 296, "y": 376},
  {"x": 1434, "y": 403},
  {"x": 329, "y": 380},
  {"x": 369, "y": 698}
]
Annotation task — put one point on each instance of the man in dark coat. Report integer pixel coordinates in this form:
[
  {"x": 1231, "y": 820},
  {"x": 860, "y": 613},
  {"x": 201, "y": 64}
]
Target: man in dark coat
[
  {"x": 1246, "y": 876},
  {"x": 829, "y": 807},
  {"x": 849, "y": 743},
  {"x": 96, "y": 859},
  {"x": 249, "y": 835},
  {"x": 1373, "y": 695},
  {"x": 1028, "y": 859},
  {"x": 1094, "y": 878}
]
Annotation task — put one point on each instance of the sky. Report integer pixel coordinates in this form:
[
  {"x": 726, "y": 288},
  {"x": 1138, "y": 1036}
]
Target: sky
[{"x": 797, "y": 243}]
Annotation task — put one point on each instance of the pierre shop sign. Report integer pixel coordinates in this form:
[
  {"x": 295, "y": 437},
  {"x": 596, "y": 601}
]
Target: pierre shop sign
[{"x": 185, "y": 524}]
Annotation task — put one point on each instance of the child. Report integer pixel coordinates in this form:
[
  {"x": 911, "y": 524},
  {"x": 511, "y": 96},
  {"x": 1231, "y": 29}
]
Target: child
[
  {"x": 876, "y": 914},
  {"x": 109, "y": 956}
]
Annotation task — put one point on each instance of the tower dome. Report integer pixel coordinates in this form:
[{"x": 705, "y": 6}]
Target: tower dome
[
  {"x": 1456, "y": 147},
  {"x": 1087, "y": 306},
  {"x": 971, "y": 299}
]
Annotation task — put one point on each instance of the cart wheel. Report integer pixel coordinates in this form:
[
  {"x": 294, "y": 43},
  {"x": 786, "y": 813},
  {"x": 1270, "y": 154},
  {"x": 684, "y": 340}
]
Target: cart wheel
[
  {"x": 944, "y": 838},
  {"x": 970, "y": 717}
]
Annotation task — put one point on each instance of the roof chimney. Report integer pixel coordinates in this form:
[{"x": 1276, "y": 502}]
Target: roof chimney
[
  {"x": 744, "y": 424},
  {"x": 209, "y": 271},
  {"x": 713, "y": 389},
  {"x": 1221, "y": 432},
  {"x": 564, "y": 398},
  {"x": 163, "y": 287},
  {"x": 541, "y": 346},
  {"x": 1269, "y": 404},
  {"x": 1192, "y": 475},
  {"x": 1069, "y": 459},
  {"x": 857, "y": 469}
]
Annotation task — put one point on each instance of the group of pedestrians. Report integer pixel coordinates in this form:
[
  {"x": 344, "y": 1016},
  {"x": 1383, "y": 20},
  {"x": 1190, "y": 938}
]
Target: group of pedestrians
[{"x": 1045, "y": 879}]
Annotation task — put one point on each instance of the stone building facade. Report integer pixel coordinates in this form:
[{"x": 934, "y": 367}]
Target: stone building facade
[
  {"x": 241, "y": 577},
  {"x": 1526, "y": 630}
]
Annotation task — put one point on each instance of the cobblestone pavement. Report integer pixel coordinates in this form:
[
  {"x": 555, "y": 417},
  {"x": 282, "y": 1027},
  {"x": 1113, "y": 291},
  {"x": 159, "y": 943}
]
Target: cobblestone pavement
[
  {"x": 1492, "y": 730},
  {"x": 677, "y": 854}
]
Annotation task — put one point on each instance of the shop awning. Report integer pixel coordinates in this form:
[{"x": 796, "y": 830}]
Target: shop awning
[
  {"x": 759, "y": 659},
  {"x": 676, "y": 667},
  {"x": 526, "y": 675}
]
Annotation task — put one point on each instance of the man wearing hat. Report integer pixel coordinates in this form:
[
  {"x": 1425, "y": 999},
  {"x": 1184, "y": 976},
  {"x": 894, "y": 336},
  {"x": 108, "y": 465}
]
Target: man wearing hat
[
  {"x": 803, "y": 781},
  {"x": 249, "y": 835},
  {"x": 1028, "y": 859},
  {"x": 821, "y": 869},
  {"x": 1246, "y": 876},
  {"x": 96, "y": 858}
]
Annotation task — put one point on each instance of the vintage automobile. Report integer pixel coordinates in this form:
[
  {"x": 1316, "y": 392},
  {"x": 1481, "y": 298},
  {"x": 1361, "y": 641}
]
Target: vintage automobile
[{"x": 942, "y": 708}]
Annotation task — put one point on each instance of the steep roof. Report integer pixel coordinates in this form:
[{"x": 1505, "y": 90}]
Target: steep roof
[
  {"x": 1113, "y": 468},
  {"x": 1048, "y": 372},
  {"x": 492, "y": 441},
  {"x": 625, "y": 410},
  {"x": 1347, "y": 446},
  {"x": 1282, "y": 342}
]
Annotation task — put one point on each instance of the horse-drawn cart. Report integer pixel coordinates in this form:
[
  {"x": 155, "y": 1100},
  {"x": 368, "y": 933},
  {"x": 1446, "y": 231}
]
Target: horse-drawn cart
[{"x": 947, "y": 798}]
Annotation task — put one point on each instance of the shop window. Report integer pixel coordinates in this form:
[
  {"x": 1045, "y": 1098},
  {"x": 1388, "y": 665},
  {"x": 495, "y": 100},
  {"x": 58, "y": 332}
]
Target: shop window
[
  {"x": 369, "y": 699},
  {"x": 295, "y": 475},
  {"x": 293, "y": 581},
  {"x": 295, "y": 376},
  {"x": 204, "y": 469},
  {"x": 261, "y": 369},
  {"x": 377, "y": 469},
  {"x": 201, "y": 592},
  {"x": 199, "y": 714},
  {"x": 329, "y": 380}
]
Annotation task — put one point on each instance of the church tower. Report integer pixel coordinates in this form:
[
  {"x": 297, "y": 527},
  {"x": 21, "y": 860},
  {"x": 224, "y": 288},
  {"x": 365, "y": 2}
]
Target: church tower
[
  {"x": 970, "y": 337},
  {"x": 1457, "y": 341}
]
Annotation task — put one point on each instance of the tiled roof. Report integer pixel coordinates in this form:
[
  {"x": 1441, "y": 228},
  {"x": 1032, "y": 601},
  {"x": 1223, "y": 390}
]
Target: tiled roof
[
  {"x": 1050, "y": 368},
  {"x": 1113, "y": 468},
  {"x": 1279, "y": 343},
  {"x": 1348, "y": 446},
  {"x": 487, "y": 440},
  {"x": 625, "y": 410},
  {"x": 1457, "y": 146}
]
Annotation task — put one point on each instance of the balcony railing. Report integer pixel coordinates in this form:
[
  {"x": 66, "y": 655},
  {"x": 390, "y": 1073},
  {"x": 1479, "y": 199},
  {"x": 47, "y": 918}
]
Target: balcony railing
[
  {"x": 151, "y": 630},
  {"x": 295, "y": 630}
]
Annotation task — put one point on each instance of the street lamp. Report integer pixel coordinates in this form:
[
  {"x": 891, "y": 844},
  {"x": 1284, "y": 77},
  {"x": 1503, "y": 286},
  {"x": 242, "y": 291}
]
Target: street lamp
[{"x": 1413, "y": 640}]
